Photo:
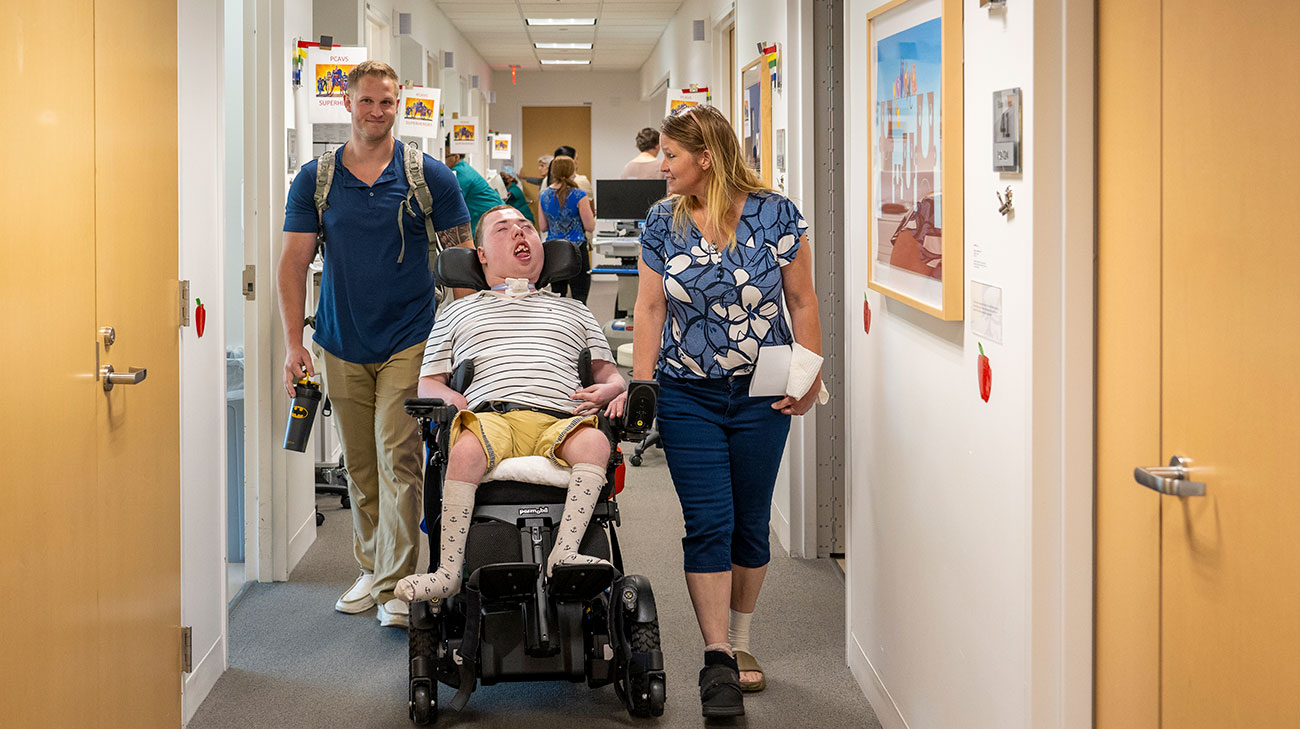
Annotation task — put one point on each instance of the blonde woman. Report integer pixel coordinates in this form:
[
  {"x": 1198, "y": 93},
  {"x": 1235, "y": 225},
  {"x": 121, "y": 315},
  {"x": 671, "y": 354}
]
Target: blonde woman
[
  {"x": 566, "y": 214},
  {"x": 721, "y": 258}
]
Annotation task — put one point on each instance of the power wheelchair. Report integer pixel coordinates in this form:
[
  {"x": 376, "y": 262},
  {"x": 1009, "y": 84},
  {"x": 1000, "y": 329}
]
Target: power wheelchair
[{"x": 510, "y": 622}]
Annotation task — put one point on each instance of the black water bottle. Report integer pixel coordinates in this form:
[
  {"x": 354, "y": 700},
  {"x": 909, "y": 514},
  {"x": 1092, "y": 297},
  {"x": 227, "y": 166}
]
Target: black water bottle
[{"x": 301, "y": 414}]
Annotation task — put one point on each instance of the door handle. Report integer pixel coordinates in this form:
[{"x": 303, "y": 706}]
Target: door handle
[
  {"x": 1171, "y": 479},
  {"x": 135, "y": 376}
]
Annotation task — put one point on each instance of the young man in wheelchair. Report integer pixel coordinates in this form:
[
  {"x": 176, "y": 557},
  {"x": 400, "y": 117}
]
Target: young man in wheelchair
[{"x": 525, "y": 397}]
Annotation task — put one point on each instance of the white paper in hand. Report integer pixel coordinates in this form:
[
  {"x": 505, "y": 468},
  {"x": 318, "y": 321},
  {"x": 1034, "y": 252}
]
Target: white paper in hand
[{"x": 771, "y": 371}]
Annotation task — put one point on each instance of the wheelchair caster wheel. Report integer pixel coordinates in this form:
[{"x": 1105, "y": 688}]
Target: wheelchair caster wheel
[
  {"x": 424, "y": 709},
  {"x": 320, "y": 518},
  {"x": 636, "y": 460},
  {"x": 345, "y": 502},
  {"x": 658, "y": 695}
]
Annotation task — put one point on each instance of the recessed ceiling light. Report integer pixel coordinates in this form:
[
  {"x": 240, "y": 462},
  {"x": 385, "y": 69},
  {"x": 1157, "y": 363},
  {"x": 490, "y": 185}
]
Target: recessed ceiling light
[
  {"x": 564, "y": 62},
  {"x": 564, "y": 46},
  {"x": 560, "y": 21}
]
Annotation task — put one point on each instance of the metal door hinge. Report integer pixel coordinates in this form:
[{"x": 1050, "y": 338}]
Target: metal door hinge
[
  {"x": 185, "y": 303},
  {"x": 250, "y": 281},
  {"x": 187, "y": 649}
]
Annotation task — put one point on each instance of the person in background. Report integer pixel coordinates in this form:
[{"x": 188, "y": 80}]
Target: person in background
[
  {"x": 479, "y": 195},
  {"x": 376, "y": 308},
  {"x": 645, "y": 166},
  {"x": 515, "y": 196},
  {"x": 582, "y": 182},
  {"x": 567, "y": 215},
  {"x": 721, "y": 259},
  {"x": 543, "y": 169}
]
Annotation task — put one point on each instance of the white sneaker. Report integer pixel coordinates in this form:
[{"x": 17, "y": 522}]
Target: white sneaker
[
  {"x": 358, "y": 598},
  {"x": 394, "y": 613}
]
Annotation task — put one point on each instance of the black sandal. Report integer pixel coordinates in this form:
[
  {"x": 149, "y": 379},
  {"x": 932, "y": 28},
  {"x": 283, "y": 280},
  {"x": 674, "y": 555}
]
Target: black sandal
[{"x": 720, "y": 686}]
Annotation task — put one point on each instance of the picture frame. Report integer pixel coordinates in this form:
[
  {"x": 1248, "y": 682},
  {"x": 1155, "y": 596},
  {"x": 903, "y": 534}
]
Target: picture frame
[
  {"x": 914, "y": 180},
  {"x": 756, "y": 119}
]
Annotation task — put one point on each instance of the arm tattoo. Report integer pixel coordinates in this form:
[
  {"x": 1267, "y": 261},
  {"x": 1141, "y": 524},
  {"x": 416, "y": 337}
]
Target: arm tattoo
[{"x": 459, "y": 236}]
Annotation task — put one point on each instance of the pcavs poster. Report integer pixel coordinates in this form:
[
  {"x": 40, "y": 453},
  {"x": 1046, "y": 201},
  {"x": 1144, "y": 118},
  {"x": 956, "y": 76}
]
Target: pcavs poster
[
  {"x": 327, "y": 77},
  {"x": 907, "y": 170},
  {"x": 686, "y": 98},
  {"x": 464, "y": 135},
  {"x": 418, "y": 115},
  {"x": 500, "y": 146}
]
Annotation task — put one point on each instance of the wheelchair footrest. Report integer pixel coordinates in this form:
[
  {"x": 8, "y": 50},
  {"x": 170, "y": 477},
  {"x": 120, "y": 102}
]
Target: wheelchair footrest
[
  {"x": 506, "y": 580},
  {"x": 580, "y": 581}
]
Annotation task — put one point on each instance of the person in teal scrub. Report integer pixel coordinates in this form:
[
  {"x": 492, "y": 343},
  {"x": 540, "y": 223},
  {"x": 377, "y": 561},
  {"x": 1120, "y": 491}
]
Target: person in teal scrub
[
  {"x": 479, "y": 195},
  {"x": 515, "y": 196}
]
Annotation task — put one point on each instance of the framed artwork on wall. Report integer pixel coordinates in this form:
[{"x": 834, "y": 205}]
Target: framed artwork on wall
[
  {"x": 756, "y": 119},
  {"x": 914, "y": 183}
]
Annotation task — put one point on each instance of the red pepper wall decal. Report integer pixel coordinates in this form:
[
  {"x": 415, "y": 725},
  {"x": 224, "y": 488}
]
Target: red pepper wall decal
[
  {"x": 985, "y": 373},
  {"x": 866, "y": 314},
  {"x": 200, "y": 317}
]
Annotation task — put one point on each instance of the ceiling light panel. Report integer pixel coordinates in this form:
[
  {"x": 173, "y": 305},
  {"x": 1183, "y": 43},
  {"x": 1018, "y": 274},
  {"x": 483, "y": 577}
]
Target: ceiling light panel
[
  {"x": 537, "y": 22},
  {"x": 565, "y": 62},
  {"x": 563, "y": 46}
]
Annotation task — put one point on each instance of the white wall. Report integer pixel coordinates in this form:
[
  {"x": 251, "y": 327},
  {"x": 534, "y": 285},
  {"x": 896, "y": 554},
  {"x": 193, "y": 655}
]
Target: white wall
[
  {"x": 617, "y": 114},
  {"x": 958, "y": 571},
  {"x": 680, "y": 59},
  {"x": 202, "y": 360}
]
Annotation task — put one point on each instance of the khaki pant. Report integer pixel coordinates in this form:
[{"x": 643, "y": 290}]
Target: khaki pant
[{"x": 382, "y": 451}]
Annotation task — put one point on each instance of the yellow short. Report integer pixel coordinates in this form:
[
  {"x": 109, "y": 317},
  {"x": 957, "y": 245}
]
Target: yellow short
[{"x": 518, "y": 433}]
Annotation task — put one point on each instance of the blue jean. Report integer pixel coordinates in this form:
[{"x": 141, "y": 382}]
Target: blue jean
[{"x": 723, "y": 449}]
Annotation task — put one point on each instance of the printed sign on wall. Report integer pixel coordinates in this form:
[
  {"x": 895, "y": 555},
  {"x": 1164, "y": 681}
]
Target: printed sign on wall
[
  {"x": 501, "y": 146},
  {"x": 464, "y": 135},
  {"x": 328, "y": 78},
  {"x": 419, "y": 112},
  {"x": 678, "y": 100}
]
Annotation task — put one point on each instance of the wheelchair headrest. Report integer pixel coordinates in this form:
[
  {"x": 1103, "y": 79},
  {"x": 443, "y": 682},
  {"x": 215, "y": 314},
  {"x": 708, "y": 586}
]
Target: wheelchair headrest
[{"x": 459, "y": 267}]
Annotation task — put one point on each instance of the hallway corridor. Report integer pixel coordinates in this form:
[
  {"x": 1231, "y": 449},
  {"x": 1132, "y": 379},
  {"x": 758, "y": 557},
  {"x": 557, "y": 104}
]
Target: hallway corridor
[{"x": 295, "y": 662}]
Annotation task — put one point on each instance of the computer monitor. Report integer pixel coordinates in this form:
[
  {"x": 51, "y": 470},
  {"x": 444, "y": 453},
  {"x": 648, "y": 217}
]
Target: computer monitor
[{"x": 627, "y": 199}]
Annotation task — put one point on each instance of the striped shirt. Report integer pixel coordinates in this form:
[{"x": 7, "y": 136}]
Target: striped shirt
[{"x": 525, "y": 350}]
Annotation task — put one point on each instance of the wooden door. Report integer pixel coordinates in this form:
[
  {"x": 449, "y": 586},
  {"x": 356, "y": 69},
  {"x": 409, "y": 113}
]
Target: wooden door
[
  {"x": 1198, "y": 611},
  {"x": 92, "y": 521},
  {"x": 548, "y": 127}
]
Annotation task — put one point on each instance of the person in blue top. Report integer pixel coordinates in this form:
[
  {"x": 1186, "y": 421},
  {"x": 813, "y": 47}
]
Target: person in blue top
[
  {"x": 721, "y": 259},
  {"x": 375, "y": 311},
  {"x": 566, "y": 214},
  {"x": 479, "y": 195}
]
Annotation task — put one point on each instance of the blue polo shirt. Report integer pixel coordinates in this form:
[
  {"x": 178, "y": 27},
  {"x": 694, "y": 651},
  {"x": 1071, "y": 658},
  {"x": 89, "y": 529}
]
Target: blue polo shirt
[
  {"x": 371, "y": 306},
  {"x": 479, "y": 195}
]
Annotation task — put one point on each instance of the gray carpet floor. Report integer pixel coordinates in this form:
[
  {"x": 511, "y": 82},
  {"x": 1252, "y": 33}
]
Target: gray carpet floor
[{"x": 295, "y": 662}]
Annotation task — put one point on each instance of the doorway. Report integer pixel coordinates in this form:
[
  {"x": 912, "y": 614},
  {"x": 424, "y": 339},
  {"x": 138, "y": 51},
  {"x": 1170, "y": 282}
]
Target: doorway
[
  {"x": 548, "y": 127},
  {"x": 1197, "y": 609},
  {"x": 95, "y": 503}
]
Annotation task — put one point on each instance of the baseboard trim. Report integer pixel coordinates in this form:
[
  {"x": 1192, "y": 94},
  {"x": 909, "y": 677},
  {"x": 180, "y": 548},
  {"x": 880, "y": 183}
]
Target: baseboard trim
[
  {"x": 198, "y": 684},
  {"x": 303, "y": 537},
  {"x": 877, "y": 695}
]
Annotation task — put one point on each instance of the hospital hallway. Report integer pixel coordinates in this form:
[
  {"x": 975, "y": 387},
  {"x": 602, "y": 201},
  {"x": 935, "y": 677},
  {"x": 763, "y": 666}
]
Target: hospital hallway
[{"x": 295, "y": 662}]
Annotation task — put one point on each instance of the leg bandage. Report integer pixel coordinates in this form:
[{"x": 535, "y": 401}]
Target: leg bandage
[
  {"x": 457, "y": 505},
  {"x": 738, "y": 631},
  {"x": 585, "y": 483}
]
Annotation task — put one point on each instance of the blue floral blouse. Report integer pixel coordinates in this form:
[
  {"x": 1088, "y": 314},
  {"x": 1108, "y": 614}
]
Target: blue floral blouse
[{"x": 722, "y": 305}]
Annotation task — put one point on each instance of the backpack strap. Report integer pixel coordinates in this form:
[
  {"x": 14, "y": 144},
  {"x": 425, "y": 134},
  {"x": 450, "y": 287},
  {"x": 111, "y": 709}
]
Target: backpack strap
[
  {"x": 418, "y": 188},
  {"x": 324, "y": 178}
]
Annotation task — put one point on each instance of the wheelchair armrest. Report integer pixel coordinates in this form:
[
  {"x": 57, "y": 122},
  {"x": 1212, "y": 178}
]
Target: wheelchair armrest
[
  {"x": 639, "y": 410},
  {"x": 430, "y": 408}
]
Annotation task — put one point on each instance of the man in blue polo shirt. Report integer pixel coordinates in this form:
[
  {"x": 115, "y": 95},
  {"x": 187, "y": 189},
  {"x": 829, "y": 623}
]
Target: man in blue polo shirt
[
  {"x": 375, "y": 311},
  {"x": 479, "y": 195}
]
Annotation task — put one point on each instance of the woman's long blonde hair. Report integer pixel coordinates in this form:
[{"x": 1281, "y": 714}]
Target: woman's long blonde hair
[
  {"x": 562, "y": 171},
  {"x": 699, "y": 128}
]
